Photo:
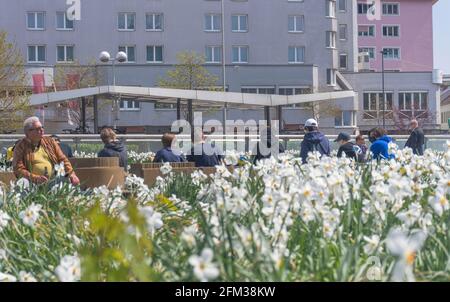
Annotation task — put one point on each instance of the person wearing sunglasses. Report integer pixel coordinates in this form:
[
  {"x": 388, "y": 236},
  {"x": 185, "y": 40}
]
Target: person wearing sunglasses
[{"x": 36, "y": 155}]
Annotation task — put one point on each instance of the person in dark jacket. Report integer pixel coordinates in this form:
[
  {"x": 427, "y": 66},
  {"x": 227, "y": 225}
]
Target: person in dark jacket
[
  {"x": 362, "y": 154},
  {"x": 417, "y": 139},
  {"x": 380, "y": 145},
  {"x": 203, "y": 154},
  {"x": 65, "y": 148},
  {"x": 166, "y": 155},
  {"x": 268, "y": 141},
  {"x": 314, "y": 141},
  {"x": 346, "y": 147},
  {"x": 113, "y": 147}
]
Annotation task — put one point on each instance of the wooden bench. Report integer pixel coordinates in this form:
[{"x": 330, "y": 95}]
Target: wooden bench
[{"x": 101, "y": 171}]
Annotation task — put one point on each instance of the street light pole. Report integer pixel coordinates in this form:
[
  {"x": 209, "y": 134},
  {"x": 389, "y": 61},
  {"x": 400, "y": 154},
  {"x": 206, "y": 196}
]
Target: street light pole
[
  {"x": 224, "y": 83},
  {"x": 121, "y": 57},
  {"x": 383, "y": 52}
]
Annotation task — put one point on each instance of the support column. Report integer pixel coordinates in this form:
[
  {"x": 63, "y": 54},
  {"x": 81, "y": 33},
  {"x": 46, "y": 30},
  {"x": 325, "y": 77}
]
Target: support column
[
  {"x": 267, "y": 115},
  {"x": 280, "y": 117},
  {"x": 95, "y": 114},
  {"x": 178, "y": 109},
  {"x": 191, "y": 119},
  {"x": 83, "y": 114},
  {"x": 225, "y": 114}
]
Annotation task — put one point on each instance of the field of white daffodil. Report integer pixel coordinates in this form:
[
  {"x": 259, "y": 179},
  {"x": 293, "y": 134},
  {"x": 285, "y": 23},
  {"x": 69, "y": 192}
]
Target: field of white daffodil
[{"x": 329, "y": 220}]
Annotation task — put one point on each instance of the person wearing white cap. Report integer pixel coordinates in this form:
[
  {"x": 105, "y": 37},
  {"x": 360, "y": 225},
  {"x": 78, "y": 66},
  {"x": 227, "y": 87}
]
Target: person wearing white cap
[{"x": 314, "y": 140}]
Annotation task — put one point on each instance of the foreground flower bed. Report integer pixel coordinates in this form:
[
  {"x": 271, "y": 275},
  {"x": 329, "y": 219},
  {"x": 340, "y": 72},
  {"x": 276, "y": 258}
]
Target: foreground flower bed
[{"x": 330, "y": 220}]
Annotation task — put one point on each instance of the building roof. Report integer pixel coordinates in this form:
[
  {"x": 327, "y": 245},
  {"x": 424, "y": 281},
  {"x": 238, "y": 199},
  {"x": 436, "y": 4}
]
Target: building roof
[{"x": 199, "y": 97}]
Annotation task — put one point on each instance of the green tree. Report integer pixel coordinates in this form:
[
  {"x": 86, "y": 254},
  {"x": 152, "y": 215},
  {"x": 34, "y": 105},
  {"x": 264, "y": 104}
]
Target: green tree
[
  {"x": 189, "y": 73},
  {"x": 14, "y": 98}
]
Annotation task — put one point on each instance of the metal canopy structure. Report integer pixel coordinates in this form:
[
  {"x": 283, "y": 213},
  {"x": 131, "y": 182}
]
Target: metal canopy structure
[
  {"x": 198, "y": 97},
  {"x": 194, "y": 98}
]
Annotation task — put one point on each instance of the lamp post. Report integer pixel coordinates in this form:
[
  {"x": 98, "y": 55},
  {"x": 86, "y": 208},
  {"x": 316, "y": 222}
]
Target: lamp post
[
  {"x": 121, "y": 57},
  {"x": 225, "y": 108},
  {"x": 383, "y": 53}
]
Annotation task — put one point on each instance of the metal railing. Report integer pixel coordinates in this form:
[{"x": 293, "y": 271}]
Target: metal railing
[{"x": 152, "y": 142}]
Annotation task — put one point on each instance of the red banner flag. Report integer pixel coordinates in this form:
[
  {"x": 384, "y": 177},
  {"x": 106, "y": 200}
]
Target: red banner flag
[{"x": 38, "y": 83}]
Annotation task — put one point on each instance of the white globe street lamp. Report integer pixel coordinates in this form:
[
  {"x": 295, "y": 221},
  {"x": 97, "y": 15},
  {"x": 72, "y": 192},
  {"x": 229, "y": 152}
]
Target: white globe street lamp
[
  {"x": 121, "y": 57},
  {"x": 105, "y": 57}
]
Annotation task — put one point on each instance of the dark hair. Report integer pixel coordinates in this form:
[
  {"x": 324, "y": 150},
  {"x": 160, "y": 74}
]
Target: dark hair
[
  {"x": 378, "y": 132},
  {"x": 167, "y": 139},
  {"x": 311, "y": 128}
]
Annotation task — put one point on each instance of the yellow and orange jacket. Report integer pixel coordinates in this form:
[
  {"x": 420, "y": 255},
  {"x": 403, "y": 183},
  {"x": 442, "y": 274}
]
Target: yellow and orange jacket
[{"x": 23, "y": 157}]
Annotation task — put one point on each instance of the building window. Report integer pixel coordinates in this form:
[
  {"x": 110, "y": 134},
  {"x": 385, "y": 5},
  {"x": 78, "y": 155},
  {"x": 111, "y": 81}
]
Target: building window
[
  {"x": 366, "y": 30},
  {"x": 130, "y": 51},
  {"x": 65, "y": 53},
  {"x": 373, "y": 105},
  {"x": 330, "y": 8},
  {"x": 62, "y": 23},
  {"x": 36, "y": 54},
  {"x": 213, "y": 54},
  {"x": 127, "y": 21},
  {"x": 296, "y": 23},
  {"x": 293, "y": 90},
  {"x": 36, "y": 20},
  {"x": 391, "y": 31},
  {"x": 154, "y": 22},
  {"x": 127, "y": 105},
  {"x": 213, "y": 22},
  {"x": 258, "y": 90},
  {"x": 391, "y": 9},
  {"x": 413, "y": 104},
  {"x": 240, "y": 54},
  {"x": 343, "y": 61},
  {"x": 347, "y": 118},
  {"x": 331, "y": 39},
  {"x": 239, "y": 23},
  {"x": 296, "y": 54},
  {"x": 342, "y": 31},
  {"x": 342, "y": 5},
  {"x": 331, "y": 77},
  {"x": 369, "y": 50},
  {"x": 391, "y": 53},
  {"x": 154, "y": 54},
  {"x": 363, "y": 8}
]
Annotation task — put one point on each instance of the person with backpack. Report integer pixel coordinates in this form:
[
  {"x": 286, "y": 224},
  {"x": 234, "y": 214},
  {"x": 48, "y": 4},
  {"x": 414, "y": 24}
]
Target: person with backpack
[
  {"x": 314, "y": 141},
  {"x": 380, "y": 145}
]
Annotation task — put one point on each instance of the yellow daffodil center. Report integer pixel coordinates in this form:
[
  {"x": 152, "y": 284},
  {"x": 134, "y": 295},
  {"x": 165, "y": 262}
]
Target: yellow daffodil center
[{"x": 410, "y": 257}]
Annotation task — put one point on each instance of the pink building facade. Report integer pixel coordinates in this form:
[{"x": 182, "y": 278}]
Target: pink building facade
[{"x": 404, "y": 28}]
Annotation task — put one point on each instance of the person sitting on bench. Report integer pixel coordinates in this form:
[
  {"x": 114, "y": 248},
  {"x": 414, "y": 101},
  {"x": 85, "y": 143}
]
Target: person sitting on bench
[{"x": 166, "y": 154}]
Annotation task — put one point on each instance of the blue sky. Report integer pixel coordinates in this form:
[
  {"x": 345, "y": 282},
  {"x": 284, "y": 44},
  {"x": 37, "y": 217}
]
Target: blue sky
[{"x": 441, "y": 20}]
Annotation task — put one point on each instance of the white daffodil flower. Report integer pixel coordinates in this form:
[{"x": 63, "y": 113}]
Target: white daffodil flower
[
  {"x": 69, "y": 269},
  {"x": 26, "y": 277},
  {"x": 166, "y": 168},
  {"x": 439, "y": 203},
  {"x": 372, "y": 245},
  {"x": 60, "y": 170},
  {"x": 4, "y": 218},
  {"x": 31, "y": 214},
  {"x": 204, "y": 269},
  {"x": 405, "y": 248},
  {"x": 152, "y": 218},
  {"x": 7, "y": 278}
]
